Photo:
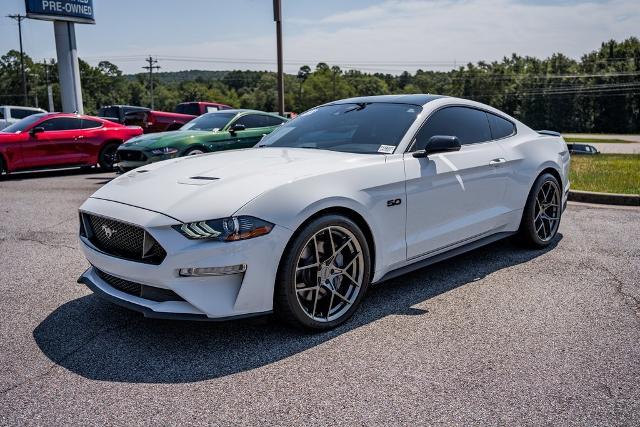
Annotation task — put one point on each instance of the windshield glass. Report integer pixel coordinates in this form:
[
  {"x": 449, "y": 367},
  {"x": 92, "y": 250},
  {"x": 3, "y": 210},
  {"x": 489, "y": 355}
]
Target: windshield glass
[
  {"x": 23, "y": 124},
  {"x": 209, "y": 122},
  {"x": 354, "y": 128}
]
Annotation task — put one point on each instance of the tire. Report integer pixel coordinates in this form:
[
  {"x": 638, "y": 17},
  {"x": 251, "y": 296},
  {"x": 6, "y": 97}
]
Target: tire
[
  {"x": 107, "y": 156},
  {"x": 194, "y": 151},
  {"x": 322, "y": 297},
  {"x": 542, "y": 213},
  {"x": 3, "y": 169}
]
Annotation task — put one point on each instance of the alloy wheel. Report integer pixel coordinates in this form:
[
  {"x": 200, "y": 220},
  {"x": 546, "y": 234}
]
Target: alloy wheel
[
  {"x": 547, "y": 211},
  {"x": 329, "y": 274}
]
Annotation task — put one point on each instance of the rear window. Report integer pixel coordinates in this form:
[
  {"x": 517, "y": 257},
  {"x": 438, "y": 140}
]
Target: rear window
[
  {"x": 192, "y": 109},
  {"x": 109, "y": 112},
  {"x": 19, "y": 113},
  {"x": 90, "y": 124}
]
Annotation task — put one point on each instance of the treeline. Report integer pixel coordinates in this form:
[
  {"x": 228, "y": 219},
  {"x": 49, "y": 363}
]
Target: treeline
[{"x": 598, "y": 93}]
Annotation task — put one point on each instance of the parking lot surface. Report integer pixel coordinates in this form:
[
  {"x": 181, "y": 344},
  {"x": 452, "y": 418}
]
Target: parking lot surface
[{"x": 500, "y": 335}]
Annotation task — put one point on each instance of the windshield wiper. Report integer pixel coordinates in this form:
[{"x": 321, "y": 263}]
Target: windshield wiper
[{"x": 359, "y": 106}]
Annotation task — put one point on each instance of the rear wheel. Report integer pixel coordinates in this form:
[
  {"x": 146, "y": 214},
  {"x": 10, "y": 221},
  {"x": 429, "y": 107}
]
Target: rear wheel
[
  {"x": 324, "y": 274},
  {"x": 107, "y": 156},
  {"x": 3, "y": 168},
  {"x": 542, "y": 213}
]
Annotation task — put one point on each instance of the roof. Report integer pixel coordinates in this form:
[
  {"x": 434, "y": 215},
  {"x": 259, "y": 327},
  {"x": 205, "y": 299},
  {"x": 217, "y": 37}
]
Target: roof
[
  {"x": 25, "y": 108},
  {"x": 241, "y": 110},
  {"x": 414, "y": 99}
]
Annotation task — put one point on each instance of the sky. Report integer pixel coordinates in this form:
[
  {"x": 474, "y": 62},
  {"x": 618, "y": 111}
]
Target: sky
[{"x": 375, "y": 36}]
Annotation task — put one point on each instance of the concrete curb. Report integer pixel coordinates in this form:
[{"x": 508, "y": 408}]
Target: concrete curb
[{"x": 604, "y": 198}]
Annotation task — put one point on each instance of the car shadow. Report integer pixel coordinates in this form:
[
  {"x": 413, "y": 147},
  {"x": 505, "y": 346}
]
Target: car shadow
[
  {"x": 48, "y": 173},
  {"x": 101, "y": 341}
]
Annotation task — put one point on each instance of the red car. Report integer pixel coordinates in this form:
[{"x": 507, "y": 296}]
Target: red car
[
  {"x": 161, "y": 121},
  {"x": 51, "y": 140}
]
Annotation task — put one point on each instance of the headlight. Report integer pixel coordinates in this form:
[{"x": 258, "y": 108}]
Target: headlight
[
  {"x": 225, "y": 229},
  {"x": 165, "y": 150}
]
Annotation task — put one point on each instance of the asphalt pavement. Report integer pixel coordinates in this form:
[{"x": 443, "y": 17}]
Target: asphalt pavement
[{"x": 500, "y": 335}]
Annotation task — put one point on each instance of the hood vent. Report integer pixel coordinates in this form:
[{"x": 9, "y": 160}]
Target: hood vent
[{"x": 207, "y": 178}]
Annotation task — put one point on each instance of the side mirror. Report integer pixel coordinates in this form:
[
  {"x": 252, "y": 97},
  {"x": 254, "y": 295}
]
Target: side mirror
[
  {"x": 439, "y": 144},
  {"x": 237, "y": 127},
  {"x": 36, "y": 130}
]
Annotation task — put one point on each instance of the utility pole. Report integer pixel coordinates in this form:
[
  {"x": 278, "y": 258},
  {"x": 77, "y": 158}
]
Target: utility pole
[
  {"x": 49, "y": 88},
  {"x": 19, "y": 18},
  {"x": 151, "y": 61},
  {"x": 277, "y": 17}
]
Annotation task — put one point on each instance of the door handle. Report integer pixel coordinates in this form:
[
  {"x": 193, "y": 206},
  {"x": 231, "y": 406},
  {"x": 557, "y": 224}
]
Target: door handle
[
  {"x": 79, "y": 137},
  {"x": 497, "y": 162}
]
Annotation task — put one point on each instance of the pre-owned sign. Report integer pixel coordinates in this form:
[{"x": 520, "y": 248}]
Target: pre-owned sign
[{"x": 80, "y": 11}]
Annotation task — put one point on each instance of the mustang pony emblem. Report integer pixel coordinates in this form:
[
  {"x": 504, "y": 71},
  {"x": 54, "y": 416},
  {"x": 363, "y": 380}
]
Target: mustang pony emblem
[{"x": 108, "y": 231}]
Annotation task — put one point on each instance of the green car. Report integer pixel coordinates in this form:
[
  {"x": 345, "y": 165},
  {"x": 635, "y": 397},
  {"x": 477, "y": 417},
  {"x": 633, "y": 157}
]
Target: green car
[{"x": 215, "y": 131}]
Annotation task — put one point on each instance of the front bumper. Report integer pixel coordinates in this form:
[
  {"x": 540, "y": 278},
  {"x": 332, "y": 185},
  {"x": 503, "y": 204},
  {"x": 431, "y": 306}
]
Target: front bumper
[
  {"x": 127, "y": 165},
  {"x": 202, "y": 298}
]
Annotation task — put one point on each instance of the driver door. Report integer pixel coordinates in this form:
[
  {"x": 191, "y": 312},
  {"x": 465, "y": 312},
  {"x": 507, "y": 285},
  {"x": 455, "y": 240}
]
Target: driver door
[
  {"x": 54, "y": 146},
  {"x": 454, "y": 197},
  {"x": 256, "y": 127}
]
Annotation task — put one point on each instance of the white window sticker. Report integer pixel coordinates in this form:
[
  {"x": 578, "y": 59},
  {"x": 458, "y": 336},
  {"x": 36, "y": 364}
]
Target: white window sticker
[{"x": 386, "y": 149}]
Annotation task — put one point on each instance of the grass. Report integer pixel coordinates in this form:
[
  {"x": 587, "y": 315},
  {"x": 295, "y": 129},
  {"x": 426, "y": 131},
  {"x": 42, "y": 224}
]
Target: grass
[
  {"x": 606, "y": 173},
  {"x": 597, "y": 140}
]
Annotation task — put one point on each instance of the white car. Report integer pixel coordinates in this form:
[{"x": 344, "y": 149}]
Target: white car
[
  {"x": 347, "y": 194},
  {"x": 10, "y": 114}
]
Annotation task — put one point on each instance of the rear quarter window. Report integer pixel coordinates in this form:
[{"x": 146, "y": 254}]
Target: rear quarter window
[{"x": 500, "y": 127}]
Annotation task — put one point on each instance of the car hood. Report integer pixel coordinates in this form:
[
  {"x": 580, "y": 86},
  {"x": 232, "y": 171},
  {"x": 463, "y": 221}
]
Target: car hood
[
  {"x": 216, "y": 185},
  {"x": 164, "y": 139}
]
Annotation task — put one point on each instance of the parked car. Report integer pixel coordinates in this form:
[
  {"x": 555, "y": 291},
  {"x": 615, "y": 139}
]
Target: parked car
[
  {"x": 582, "y": 149},
  {"x": 221, "y": 130},
  {"x": 10, "y": 114},
  {"x": 160, "y": 121},
  {"x": 350, "y": 193},
  {"x": 117, "y": 113},
  {"x": 50, "y": 140}
]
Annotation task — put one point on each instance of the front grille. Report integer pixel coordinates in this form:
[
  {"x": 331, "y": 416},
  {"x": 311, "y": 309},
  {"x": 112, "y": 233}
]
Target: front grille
[
  {"x": 121, "y": 239},
  {"x": 132, "y": 155},
  {"x": 139, "y": 290}
]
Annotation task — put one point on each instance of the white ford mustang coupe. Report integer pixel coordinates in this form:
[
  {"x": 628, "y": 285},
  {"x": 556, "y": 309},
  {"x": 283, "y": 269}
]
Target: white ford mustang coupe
[{"x": 347, "y": 194}]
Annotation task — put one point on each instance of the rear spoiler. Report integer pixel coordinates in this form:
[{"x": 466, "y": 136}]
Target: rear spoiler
[{"x": 548, "y": 132}]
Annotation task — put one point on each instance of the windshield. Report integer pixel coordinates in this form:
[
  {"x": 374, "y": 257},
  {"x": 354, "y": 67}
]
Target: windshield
[
  {"x": 209, "y": 122},
  {"x": 23, "y": 124},
  {"x": 354, "y": 128}
]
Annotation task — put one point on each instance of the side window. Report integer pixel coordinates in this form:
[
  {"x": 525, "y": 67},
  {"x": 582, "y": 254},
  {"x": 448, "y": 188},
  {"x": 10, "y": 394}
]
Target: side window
[
  {"x": 272, "y": 121},
  {"x": 90, "y": 124},
  {"x": 19, "y": 113},
  {"x": 251, "y": 121},
  {"x": 1, "y": 113},
  {"x": 61, "y": 123},
  {"x": 500, "y": 128},
  {"x": 468, "y": 124}
]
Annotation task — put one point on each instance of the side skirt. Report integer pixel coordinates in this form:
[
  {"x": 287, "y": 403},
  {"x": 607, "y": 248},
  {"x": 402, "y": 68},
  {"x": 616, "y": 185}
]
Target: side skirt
[{"x": 425, "y": 262}]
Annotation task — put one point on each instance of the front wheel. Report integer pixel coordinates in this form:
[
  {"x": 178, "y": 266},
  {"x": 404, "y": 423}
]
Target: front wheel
[
  {"x": 107, "y": 156},
  {"x": 542, "y": 213},
  {"x": 194, "y": 151},
  {"x": 323, "y": 275}
]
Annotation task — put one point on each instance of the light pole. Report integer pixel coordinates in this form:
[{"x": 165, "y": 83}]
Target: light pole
[
  {"x": 277, "y": 17},
  {"x": 19, "y": 18}
]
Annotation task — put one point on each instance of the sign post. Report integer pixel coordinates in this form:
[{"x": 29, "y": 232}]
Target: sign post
[{"x": 64, "y": 14}]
